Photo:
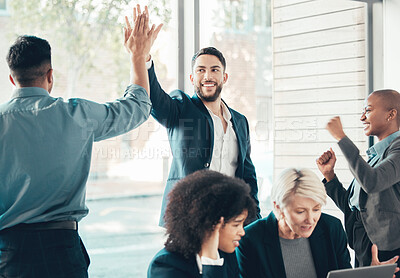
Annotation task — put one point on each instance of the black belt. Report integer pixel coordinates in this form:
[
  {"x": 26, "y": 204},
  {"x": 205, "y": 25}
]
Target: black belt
[{"x": 52, "y": 225}]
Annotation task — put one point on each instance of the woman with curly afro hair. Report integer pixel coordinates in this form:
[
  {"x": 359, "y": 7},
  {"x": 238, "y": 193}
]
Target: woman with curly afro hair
[{"x": 204, "y": 221}]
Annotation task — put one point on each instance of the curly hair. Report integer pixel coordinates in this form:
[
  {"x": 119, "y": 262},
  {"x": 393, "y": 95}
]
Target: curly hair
[{"x": 197, "y": 203}]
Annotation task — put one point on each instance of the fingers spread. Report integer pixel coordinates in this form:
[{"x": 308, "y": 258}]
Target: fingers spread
[
  {"x": 146, "y": 22},
  {"x": 157, "y": 30},
  {"x": 127, "y": 24},
  {"x": 138, "y": 24},
  {"x": 125, "y": 34}
]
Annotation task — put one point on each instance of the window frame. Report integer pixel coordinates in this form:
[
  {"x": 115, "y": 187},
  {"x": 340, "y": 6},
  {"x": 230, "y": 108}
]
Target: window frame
[{"x": 4, "y": 12}]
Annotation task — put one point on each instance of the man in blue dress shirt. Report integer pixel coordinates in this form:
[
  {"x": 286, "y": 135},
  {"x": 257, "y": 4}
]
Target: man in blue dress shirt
[
  {"x": 371, "y": 204},
  {"x": 46, "y": 145}
]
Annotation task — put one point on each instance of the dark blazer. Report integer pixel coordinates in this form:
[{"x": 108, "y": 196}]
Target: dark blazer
[
  {"x": 260, "y": 255},
  {"x": 379, "y": 194},
  {"x": 167, "y": 264},
  {"x": 191, "y": 136}
]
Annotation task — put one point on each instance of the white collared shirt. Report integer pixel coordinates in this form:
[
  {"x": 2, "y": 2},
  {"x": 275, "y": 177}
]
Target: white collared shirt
[
  {"x": 207, "y": 261},
  {"x": 225, "y": 152}
]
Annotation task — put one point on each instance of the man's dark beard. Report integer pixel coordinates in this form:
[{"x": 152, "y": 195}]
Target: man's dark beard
[{"x": 211, "y": 98}]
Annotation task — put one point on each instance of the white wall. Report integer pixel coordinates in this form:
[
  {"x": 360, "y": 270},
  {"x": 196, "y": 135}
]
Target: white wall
[
  {"x": 320, "y": 71},
  {"x": 391, "y": 44}
]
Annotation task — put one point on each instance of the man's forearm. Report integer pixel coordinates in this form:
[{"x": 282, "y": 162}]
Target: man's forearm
[{"x": 139, "y": 74}]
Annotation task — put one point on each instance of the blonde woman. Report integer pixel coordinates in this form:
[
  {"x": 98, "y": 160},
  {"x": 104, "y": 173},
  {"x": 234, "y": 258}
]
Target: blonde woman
[{"x": 296, "y": 239}]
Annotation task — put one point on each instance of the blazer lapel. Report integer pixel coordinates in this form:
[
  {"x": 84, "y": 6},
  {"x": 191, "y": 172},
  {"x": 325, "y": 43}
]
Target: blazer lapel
[
  {"x": 319, "y": 251},
  {"x": 199, "y": 104},
  {"x": 363, "y": 196},
  {"x": 272, "y": 247},
  {"x": 193, "y": 268}
]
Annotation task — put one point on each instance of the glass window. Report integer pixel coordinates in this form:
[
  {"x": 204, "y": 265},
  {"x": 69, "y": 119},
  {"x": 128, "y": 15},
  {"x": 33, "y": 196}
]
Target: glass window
[
  {"x": 241, "y": 30},
  {"x": 2, "y": 5},
  {"x": 121, "y": 232},
  {"x": 3, "y": 8}
]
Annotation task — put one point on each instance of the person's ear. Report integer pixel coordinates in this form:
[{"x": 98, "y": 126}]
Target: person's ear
[
  {"x": 225, "y": 77},
  {"x": 278, "y": 210},
  {"x": 392, "y": 114},
  {"x": 11, "y": 79},
  {"x": 191, "y": 78},
  {"x": 50, "y": 80},
  {"x": 49, "y": 76}
]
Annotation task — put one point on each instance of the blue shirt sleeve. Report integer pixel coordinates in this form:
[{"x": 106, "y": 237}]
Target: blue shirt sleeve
[{"x": 114, "y": 118}]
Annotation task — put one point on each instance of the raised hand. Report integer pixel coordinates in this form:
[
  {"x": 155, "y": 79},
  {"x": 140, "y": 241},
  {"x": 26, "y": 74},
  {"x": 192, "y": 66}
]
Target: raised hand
[
  {"x": 326, "y": 164},
  {"x": 335, "y": 128},
  {"x": 136, "y": 38},
  {"x": 138, "y": 41},
  {"x": 154, "y": 35},
  {"x": 151, "y": 33},
  {"x": 209, "y": 247}
]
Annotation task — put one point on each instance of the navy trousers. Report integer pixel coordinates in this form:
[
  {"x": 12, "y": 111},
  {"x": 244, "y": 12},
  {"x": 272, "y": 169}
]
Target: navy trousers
[{"x": 44, "y": 254}]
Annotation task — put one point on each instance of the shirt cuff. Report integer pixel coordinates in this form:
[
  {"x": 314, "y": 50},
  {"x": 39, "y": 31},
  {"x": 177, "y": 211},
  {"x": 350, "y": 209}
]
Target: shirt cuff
[
  {"x": 149, "y": 64},
  {"x": 334, "y": 181},
  {"x": 136, "y": 90},
  {"x": 207, "y": 261}
]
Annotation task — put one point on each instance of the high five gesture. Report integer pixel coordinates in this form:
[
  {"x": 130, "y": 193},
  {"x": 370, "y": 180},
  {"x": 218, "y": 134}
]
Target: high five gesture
[{"x": 138, "y": 40}]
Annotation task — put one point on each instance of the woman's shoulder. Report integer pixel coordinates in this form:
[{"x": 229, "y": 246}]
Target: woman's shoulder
[
  {"x": 166, "y": 256},
  {"x": 394, "y": 145},
  {"x": 331, "y": 223},
  {"x": 330, "y": 219},
  {"x": 262, "y": 226},
  {"x": 172, "y": 263},
  {"x": 256, "y": 226}
]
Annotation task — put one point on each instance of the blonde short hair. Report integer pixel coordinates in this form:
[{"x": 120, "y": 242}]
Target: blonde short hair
[{"x": 299, "y": 182}]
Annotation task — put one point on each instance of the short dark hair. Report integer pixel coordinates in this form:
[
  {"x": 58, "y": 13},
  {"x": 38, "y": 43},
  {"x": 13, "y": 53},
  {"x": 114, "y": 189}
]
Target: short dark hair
[
  {"x": 196, "y": 205},
  {"x": 29, "y": 59},
  {"x": 209, "y": 51}
]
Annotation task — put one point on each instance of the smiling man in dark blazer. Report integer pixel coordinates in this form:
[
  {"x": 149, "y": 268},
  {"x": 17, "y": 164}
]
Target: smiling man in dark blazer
[{"x": 203, "y": 132}]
